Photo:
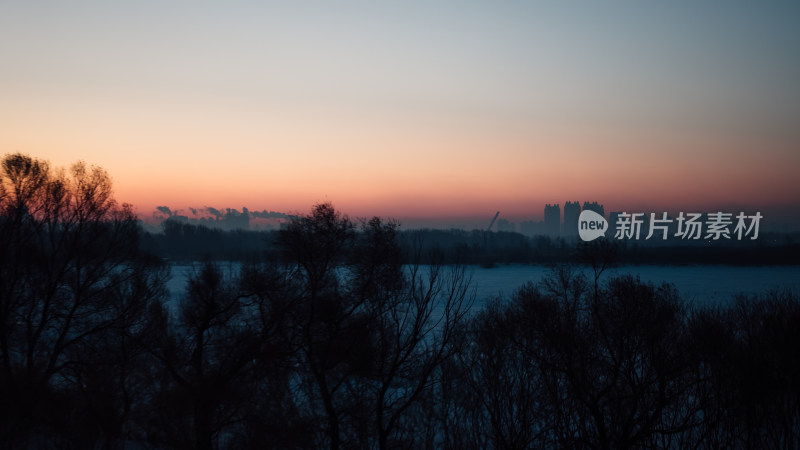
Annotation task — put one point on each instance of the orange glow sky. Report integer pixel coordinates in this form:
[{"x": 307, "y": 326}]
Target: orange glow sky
[{"x": 412, "y": 110}]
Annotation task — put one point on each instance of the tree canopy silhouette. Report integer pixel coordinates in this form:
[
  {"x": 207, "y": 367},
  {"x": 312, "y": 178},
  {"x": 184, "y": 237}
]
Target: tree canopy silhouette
[
  {"x": 340, "y": 337},
  {"x": 72, "y": 286}
]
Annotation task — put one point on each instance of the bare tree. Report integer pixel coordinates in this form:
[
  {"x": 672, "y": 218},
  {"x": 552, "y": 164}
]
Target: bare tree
[
  {"x": 330, "y": 336},
  {"x": 67, "y": 248},
  {"x": 600, "y": 255},
  {"x": 561, "y": 366},
  {"x": 415, "y": 325},
  {"x": 225, "y": 344},
  {"x": 370, "y": 331}
]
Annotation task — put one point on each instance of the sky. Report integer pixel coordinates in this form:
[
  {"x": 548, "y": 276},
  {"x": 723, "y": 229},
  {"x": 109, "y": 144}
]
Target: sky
[{"x": 439, "y": 110}]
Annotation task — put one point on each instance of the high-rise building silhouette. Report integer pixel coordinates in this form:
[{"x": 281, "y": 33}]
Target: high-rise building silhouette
[
  {"x": 572, "y": 210},
  {"x": 552, "y": 219},
  {"x": 594, "y": 206}
]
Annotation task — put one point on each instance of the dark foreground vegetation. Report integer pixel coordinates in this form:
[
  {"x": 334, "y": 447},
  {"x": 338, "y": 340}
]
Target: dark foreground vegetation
[{"x": 335, "y": 342}]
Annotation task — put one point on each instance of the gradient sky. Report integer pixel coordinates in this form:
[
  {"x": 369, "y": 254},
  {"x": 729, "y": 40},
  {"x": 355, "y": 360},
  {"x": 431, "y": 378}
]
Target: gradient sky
[{"x": 409, "y": 109}]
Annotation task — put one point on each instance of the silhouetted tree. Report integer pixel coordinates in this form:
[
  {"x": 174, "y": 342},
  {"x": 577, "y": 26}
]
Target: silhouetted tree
[
  {"x": 415, "y": 314},
  {"x": 71, "y": 283},
  {"x": 331, "y": 337},
  {"x": 111, "y": 375},
  {"x": 747, "y": 372},
  {"x": 600, "y": 255},
  {"x": 370, "y": 331},
  {"x": 357, "y": 337},
  {"x": 227, "y": 343},
  {"x": 561, "y": 367}
]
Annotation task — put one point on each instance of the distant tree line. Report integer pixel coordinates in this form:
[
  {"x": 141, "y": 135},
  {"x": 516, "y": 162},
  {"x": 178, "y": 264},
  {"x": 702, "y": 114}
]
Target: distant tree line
[
  {"x": 182, "y": 241},
  {"x": 334, "y": 340}
]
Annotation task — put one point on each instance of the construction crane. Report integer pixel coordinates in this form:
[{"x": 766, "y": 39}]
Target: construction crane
[{"x": 493, "y": 220}]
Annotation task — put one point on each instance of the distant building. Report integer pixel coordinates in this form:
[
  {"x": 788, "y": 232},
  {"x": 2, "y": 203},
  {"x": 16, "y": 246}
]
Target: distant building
[
  {"x": 593, "y": 206},
  {"x": 552, "y": 219},
  {"x": 572, "y": 210}
]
